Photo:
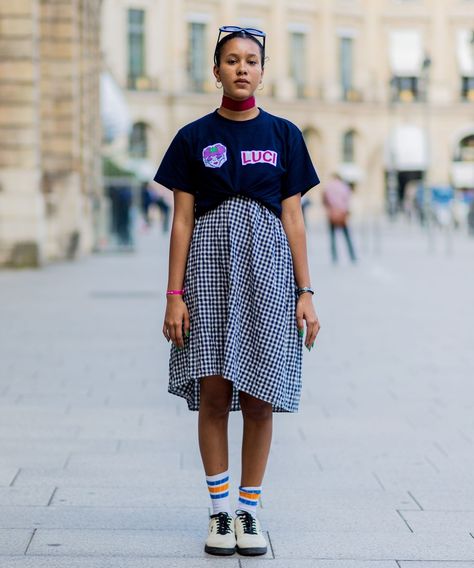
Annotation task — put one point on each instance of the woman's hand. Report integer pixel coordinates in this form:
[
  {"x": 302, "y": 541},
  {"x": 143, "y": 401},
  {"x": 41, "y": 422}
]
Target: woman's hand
[
  {"x": 305, "y": 311},
  {"x": 176, "y": 317}
]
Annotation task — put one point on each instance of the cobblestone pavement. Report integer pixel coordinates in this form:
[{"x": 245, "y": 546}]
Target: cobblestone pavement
[{"x": 99, "y": 466}]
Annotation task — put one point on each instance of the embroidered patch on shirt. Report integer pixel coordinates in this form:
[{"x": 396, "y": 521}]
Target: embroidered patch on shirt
[
  {"x": 259, "y": 157},
  {"x": 214, "y": 156}
]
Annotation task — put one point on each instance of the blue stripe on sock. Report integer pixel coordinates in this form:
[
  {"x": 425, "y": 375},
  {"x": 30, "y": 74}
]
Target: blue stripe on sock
[
  {"x": 220, "y": 496},
  {"x": 220, "y": 482},
  {"x": 247, "y": 502}
]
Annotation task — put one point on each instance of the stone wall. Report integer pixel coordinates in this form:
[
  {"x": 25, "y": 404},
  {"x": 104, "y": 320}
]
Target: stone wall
[{"x": 49, "y": 128}]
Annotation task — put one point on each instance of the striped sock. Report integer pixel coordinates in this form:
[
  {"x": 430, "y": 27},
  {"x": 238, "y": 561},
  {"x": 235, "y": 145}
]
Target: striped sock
[
  {"x": 218, "y": 486},
  {"x": 249, "y": 498}
]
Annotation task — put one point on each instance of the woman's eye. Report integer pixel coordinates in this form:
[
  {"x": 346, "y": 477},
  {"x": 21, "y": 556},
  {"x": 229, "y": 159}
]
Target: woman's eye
[{"x": 253, "y": 62}]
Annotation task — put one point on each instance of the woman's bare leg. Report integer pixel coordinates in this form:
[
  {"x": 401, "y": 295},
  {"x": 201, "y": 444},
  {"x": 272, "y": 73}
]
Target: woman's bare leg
[
  {"x": 214, "y": 407},
  {"x": 257, "y": 438}
]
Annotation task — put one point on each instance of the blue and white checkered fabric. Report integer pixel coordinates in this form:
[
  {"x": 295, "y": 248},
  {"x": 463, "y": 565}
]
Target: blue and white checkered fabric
[{"x": 241, "y": 295}]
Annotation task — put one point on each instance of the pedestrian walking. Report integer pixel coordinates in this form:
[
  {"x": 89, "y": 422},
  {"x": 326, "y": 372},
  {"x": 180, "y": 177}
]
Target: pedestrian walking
[
  {"x": 336, "y": 200},
  {"x": 239, "y": 290}
]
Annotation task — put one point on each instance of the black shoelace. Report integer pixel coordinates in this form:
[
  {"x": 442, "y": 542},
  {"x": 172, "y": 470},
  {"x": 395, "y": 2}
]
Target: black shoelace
[
  {"x": 248, "y": 521},
  {"x": 224, "y": 522}
]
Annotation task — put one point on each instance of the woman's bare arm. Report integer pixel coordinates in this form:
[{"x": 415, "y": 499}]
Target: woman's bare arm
[
  {"x": 177, "y": 314},
  {"x": 293, "y": 224}
]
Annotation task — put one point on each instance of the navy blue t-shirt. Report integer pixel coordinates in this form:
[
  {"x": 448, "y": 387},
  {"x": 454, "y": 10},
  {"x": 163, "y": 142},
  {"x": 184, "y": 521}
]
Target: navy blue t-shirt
[{"x": 214, "y": 158}]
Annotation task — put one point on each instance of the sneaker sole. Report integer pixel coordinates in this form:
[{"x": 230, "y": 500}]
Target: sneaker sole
[
  {"x": 216, "y": 551},
  {"x": 251, "y": 551}
]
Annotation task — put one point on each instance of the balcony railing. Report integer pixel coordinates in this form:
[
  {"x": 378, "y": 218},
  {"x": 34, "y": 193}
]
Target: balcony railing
[{"x": 141, "y": 83}]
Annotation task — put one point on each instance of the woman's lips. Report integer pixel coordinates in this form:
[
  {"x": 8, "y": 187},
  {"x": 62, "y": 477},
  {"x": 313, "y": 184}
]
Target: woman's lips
[{"x": 242, "y": 82}]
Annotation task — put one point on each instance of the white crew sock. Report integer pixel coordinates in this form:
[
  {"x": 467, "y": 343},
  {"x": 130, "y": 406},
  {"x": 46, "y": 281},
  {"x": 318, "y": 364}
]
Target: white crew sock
[
  {"x": 218, "y": 486},
  {"x": 249, "y": 498}
]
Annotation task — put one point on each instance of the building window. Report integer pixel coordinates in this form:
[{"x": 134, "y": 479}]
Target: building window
[
  {"x": 298, "y": 61},
  {"x": 197, "y": 56},
  {"x": 466, "y": 149},
  {"x": 138, "y": 143},
  {"x": 136, "y": 48},
  {"x": 346, "y": 48},
  {"x": 348, "y": 151},
  {"x": 405, "y": 89},
  {"x": 465, "y": 55},
  {"x": 467, "y": 88},
  {"x": 409, "y": 65}
]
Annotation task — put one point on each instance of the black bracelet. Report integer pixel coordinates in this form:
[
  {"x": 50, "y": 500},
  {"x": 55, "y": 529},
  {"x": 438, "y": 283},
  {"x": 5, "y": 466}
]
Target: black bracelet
[{"x": 300, "y": 291}]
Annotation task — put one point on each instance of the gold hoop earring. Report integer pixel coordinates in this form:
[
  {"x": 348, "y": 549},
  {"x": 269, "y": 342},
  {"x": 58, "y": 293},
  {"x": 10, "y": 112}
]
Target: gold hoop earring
[
  {"x": 261, "y": 87},
  {"x": 217, "y": 84}
]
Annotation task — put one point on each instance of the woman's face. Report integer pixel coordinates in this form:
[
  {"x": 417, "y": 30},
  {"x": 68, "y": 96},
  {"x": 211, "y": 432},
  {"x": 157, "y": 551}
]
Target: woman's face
[{"x": 240, "y": 69}]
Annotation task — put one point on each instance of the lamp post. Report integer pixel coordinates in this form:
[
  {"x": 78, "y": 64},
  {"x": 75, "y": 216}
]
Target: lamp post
[
  {"x": 392, "y": 178},
  {"x": 472, "y": 46},
  {"x": 470, "y": 216},
  {"x": 471, "y": 41},
  {"x": 426, "y": 120}
]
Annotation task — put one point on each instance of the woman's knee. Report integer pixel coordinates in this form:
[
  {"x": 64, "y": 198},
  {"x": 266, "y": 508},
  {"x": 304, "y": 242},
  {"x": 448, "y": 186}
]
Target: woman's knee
[
  {"x": 215, "y": 396},
  {"x": 255, "y": 408}
]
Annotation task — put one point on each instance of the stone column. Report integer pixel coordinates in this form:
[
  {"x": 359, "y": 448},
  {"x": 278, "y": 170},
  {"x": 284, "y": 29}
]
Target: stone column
[
  {"x": 435, "y": 45},
  {"x": 70, "y": 65},
  {"x": 90, "y": 66},
  {"x": 439, "y": 93},
  {"x": 228, "y": 13},
  {"x": 328, "y": 48},
  {"x": 60, "y": 122},
  {"x": 278, "y": 51},
  {"x": 21, "y": 203},
  {"x": 177, "y": 42},
  {"x": 373, "y": 69}
]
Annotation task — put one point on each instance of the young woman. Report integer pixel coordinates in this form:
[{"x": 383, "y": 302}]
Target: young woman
[{"x": 239, "y": 288}]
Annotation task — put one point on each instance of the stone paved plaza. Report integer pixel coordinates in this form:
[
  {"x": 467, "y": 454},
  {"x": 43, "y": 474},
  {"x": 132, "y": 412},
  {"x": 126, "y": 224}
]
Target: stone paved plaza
[{"x": 99, "y": 465}]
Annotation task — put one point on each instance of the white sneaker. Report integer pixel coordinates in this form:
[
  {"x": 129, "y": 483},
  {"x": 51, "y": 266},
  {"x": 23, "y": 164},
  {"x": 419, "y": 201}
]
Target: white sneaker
[
  {"x": 250, "y": 540},
  {"x": 221, "y": 538}
]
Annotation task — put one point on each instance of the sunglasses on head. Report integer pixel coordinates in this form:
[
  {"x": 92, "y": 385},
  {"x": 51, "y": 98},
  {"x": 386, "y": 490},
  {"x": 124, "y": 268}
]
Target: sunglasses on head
[{"x": 251, "y": 31}]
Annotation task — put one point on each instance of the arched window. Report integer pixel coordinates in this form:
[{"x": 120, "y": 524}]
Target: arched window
[
  {"x": 348, "y": 151},
  {"x": 466, "y": 148},
  {"x": 314, "y": 144},
  {"x": 138, "y": 143}
]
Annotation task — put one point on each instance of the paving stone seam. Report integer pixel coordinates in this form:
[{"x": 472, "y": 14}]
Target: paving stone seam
[
  {"x": 52, "y": 497},
  {"x": 404, "y": 520},
  {"x": 12, "y": 482},
  {"x": 271, "y": 544},
  {"x": 417, "y": 503},
  {"x": 379, "y": 481},
  {"x": 29, "y": 542},
  {"x": 432, "y": 464}
]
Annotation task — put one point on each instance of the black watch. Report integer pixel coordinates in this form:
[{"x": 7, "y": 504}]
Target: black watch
[{"x": 300, "y": 291}]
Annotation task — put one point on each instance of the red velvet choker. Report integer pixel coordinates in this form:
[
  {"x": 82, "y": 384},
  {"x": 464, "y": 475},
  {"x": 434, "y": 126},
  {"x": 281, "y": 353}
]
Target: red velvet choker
[{"x": 230, "y": 104}]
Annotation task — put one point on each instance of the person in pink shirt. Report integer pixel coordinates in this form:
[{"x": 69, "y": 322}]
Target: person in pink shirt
[{"x": 336, "y": 200}]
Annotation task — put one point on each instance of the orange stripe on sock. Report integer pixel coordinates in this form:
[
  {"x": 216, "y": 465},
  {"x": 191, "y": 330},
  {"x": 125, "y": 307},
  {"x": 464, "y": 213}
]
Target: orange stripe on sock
[
  {"x": 219, "y": 488},
  {"x": 254, "y": 496}
]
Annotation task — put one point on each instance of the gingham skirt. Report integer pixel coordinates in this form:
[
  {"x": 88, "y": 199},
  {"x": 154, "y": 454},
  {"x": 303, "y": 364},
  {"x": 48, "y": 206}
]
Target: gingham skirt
[{"x": 241, "y": 295}]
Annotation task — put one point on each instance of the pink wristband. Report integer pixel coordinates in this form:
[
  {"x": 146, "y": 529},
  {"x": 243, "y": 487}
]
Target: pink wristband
[{"x": 174, "y": 292}]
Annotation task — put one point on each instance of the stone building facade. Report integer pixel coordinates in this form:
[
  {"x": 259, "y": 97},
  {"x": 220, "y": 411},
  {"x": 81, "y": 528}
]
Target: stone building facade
[
  {"x": 378, "y": 87},
  {"x": 50, "y": 133}
]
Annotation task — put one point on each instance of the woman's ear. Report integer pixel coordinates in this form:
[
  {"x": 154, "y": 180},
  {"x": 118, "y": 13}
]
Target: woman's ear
[{"x": 215, "y": 70}]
